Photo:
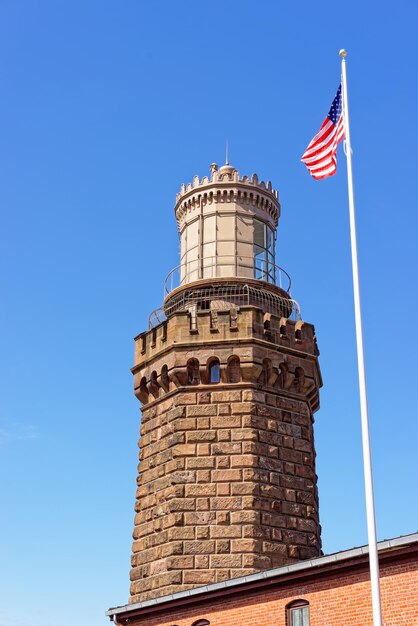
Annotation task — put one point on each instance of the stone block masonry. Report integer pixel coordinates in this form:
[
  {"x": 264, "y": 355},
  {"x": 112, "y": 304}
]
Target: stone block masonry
[{"x": 227, "y": 483}]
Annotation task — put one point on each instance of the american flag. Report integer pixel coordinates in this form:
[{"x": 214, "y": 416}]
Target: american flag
[{"x": 320, "y": 156}]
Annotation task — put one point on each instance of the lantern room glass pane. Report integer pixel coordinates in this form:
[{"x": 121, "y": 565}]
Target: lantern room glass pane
[
  {"x": 183, "y": 254},
  {"x": 270, "y": 240},
  {"x": 259, "y": 234},
  {"x": 192, "y": 256},
  {"x": 209, "y": 229},
  {"x": 263, "y": 252}
]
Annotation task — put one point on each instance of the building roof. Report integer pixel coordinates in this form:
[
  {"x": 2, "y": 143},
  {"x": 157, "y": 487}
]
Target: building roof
[{"x": 267, "y": 576}]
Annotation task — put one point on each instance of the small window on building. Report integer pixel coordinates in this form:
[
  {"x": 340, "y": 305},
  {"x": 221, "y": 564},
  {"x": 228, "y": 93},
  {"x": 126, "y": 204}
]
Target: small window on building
[
  {"x": 154, "y": 387},
  {"x": 299, "y": 379},
  {"x": 193, "y": 373},
  {"x": 282, "y": 375},
  {"x": 234, "y": 370},
  {"x": 267, "y": 371},
  {"x": 165, "y": 379},
  {"x": 214, "y": 372},
  {"x": 143, "y": 391},
  {"x": 201, "y": 622},
  {"x": 298, "y": 613}
]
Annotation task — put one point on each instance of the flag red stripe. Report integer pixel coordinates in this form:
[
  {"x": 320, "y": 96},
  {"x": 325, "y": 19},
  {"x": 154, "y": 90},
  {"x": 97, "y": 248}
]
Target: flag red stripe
[
  {"x": 320, "y": 155},
  {"x": 316, "y": 144},
  {"x": 335, "y": 135},
  {"x": 323, "y": 149}
]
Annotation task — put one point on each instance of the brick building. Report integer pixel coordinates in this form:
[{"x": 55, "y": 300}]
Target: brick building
[
  {"x": 332, "y": 590},
  {"x": 227, "y": 516}
]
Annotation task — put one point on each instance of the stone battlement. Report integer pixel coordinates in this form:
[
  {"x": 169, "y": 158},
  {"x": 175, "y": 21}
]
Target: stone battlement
[
  {"x": 226, "y": 324},
  {"x": 226, "y": 185},
  {"x": 250, "y": 346}
]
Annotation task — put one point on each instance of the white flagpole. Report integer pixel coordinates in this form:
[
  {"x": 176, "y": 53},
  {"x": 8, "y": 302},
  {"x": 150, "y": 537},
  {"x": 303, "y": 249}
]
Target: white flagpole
[{"x": 368, "y": 478}]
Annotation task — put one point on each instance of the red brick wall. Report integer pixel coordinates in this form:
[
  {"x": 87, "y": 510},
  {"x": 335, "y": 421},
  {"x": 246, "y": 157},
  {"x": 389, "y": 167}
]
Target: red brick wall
[{"x": 337, "y": 600}]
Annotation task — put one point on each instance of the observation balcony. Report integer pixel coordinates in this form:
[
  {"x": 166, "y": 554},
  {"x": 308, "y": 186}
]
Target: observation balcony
[
  {"x": 227, "y": 267},
  {"x": 219, "y": 283}
]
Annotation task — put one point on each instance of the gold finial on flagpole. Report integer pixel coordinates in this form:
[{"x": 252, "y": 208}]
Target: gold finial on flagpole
[
  {"x": 226, "y": 153},
  {"x": 343, "y": 53}
]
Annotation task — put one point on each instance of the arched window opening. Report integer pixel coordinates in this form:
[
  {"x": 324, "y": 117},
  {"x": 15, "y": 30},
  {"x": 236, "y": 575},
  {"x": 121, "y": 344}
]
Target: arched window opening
[
  {"x": 201, "y": 622},
  {"x": 154, "y": 387},
  {"x": 297, "y": 613},
  {"x": 214, "y": 372},
  {"x": 193, "y": 373},
  {"x": 234, "y": 370},
  {"x": 299, "y": 378},
  {"x": 143, "y": 391},
  {"x": 282, "y": 375},
  {"x": 165, "y": 379},
  {"x": 267, "y": 371}
]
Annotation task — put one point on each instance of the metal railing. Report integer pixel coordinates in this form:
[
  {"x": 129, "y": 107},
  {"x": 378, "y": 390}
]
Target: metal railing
[
  {"x": 220, "y": 296},
  {"x": 227, "y": 266}
]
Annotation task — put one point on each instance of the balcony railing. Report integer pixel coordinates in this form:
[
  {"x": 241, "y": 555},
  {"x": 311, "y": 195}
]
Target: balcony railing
[{"x": 227, "y": 266}]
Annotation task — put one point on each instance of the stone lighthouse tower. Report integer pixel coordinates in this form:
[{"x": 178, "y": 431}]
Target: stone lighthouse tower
[{"x": 228, "y": 378}]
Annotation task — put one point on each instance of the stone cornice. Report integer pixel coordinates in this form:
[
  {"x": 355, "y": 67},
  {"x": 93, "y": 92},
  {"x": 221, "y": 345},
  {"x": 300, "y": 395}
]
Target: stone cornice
[{"x": 227, "y": 186}]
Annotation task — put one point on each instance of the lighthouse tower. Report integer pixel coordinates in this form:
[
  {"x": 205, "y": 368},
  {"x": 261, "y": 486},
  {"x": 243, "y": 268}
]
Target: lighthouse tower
[{"x": 228, "y": 378}]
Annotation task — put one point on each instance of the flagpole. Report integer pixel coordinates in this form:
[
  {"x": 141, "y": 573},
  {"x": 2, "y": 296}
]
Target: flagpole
[{"x": 367, "y": 462}]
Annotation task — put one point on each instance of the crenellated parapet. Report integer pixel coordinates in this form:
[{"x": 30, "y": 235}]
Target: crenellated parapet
[
  {"x": 226, "y": 186},
  {"x": 251, "y": 347}
]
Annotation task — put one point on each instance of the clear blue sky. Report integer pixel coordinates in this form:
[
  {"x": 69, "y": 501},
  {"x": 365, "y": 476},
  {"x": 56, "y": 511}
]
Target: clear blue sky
[{"x": 106, "y": 108}]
